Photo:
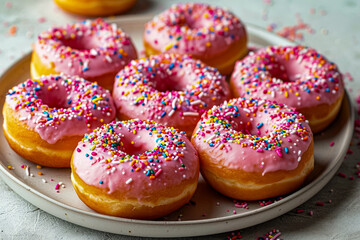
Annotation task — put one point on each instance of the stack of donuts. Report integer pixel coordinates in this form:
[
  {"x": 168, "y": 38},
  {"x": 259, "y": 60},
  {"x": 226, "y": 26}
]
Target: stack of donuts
[{"x": 137, "y": 132}]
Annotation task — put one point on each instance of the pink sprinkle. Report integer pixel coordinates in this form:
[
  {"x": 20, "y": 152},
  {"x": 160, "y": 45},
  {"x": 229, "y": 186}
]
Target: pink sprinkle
[
  {"x": 348, "y": 76},
  {"x": 57, "y": 186},
  {"x": 342, "y": 174},
  {"x": 320, "y": 204},
  {"x": 41, "y": 20},
  {"x": 351, "y": 178},
  {"x": 311, "y": 213},
  {"x": 8, "y": 5},
  {"x": 332, "y": 144},
  {"x": 349, "y": 151},
  {"x": 158, "y": 172},
  {"x": 78, "y": 149},
  {"x": 300, "y": 211},
  {"x": 234, "y": 212}
]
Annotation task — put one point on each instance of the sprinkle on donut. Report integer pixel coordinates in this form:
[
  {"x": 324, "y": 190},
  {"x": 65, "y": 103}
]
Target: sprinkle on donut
[
  {"x": 168, "y": 88},
  {"x": 108, "y": 147},
  {"x": 297, "y": 76},
  {"x": 59, "y": 105},
  {"x": 254, "y": 134},
  {"x": 182, "y": 26},
  {"x": 211, "y": 34},
  {"x": 135, "y": 169},
  {"x": 87, "y": 49}
]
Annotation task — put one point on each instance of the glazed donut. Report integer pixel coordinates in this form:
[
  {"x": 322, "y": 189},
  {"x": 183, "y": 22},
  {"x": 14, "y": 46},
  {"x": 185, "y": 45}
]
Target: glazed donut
[
  {"x": 297, "y": 76},
  {"x": 45, "y": 119},
  {"x": 135, "y": 169},
  {"x": 211, "y": 34},
  {"x": 252, "y": 149},
  {"x": 171, "y": 89},
  {"x": 95, "y": 8},
  {"x": 93, "y": 50}
]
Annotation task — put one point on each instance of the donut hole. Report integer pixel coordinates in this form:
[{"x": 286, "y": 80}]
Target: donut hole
[
  {"x": 247, "y": 123},
  {"x": 170, "y": 83},
  {"x": 81, "y": 43},
  {"x": 132, "y": 144},
  {"x": 286, "y": 70},
  {"x": 53, "y": 97}
]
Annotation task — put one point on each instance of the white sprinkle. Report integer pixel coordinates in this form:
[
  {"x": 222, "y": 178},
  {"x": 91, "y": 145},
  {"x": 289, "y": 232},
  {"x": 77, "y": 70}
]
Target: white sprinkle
[
  {"x": 108, "y": 58},
  {"x": 128, "y": 181},
  {"x": 44, "y": 181},
  {"x": 196, "y": 102},
  {"x": 173, "y": 104},
  {"x": 93, "y": 52},
  {"x": 171, "y": 112},
  {"x": 299, "y": 159},
  {"x": 191, "y": 114},
  {"x": 27, "y": 171},
  {"x": 299, "y": 152}
]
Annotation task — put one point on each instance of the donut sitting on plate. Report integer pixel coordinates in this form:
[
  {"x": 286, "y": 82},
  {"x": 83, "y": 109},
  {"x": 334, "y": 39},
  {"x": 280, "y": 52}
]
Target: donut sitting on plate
[
  {"x": 211, "y": 34},
  {"x": 45, "y": 118},
  {"x": 253, "y": 149},
  {"x": 92, "y": 49},
  {"x": 95, "y": 8},
  {"x": 135, "y": 169},
  {"x": 297, "y": 76}
]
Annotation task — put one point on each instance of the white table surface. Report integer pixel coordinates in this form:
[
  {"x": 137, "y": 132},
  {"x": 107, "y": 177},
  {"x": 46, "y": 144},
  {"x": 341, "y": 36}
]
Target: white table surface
[{"x": 335, "y": 33}]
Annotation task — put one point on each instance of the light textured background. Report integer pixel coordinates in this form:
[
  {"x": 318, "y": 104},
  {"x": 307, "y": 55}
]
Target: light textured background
[{"x": 336, "y": 33}]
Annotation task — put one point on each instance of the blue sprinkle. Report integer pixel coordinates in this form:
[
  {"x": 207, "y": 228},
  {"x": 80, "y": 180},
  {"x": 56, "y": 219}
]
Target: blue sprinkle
[
  {"x": 120, "y": 55},
  {"x": 101, "y": 181},
  {"x": 286, "y": 150},
  {"x": 163, "y": 114},
  {"x": 259, "y": 126},
  {"x": 172, "y": 65}
]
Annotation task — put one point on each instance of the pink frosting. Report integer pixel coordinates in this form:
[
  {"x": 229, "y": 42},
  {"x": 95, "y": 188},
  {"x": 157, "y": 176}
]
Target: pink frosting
[
  {"x": 194, "y": 28},
  {"x": 57, "y": 106},
  {"x": 169, "y": 89},
  {"x": 136, "y": 158},
  {"x": 87, "y": 49},
  {"x": 296, "y": 76},
  {"x": 253, "y": 135}
]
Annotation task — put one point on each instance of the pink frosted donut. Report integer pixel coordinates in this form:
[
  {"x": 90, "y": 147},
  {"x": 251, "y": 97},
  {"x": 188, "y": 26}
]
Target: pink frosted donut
[
  {"x": 93, "y": 50},
  {"x": 171, "y": 89},
  {"x": 45, "y": 119},
  {"x": 135, "y": 169},
  {"x": 252, "y": 149},
  {"x": 296, "y": 76},
  {"x": 211, "y": 34}
]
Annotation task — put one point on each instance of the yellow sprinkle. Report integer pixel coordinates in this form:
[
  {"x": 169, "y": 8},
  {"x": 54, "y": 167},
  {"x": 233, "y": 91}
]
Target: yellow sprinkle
[
  {"x": 286, "y": 94},
  {"x": 169, "y": 46}
]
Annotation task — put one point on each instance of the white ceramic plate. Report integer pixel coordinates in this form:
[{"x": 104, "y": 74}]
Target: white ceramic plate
[{"x": 208, "y": 213}]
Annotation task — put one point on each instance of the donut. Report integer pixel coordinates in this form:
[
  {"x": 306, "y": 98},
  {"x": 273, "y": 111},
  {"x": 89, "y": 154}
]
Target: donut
[
  {"x": 297, "y": 76},
  {"x": 135, "y": 169},
  {"x": 93, "y": 50},
  {"x": 253, "y": 149},
  {"x": 211, "y": 34},
  {"x": 171, "y": 89},
  {"x": 45, "y": 118},
  {"x": 95, "y": 8}
]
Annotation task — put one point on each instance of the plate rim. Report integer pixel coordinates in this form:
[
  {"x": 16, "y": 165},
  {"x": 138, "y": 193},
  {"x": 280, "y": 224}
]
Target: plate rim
[{"x": 250, "y": 28}]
